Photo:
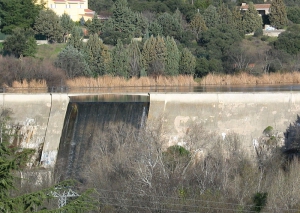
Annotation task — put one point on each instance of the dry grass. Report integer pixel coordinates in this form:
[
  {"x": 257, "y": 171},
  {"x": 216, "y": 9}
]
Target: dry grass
[
  {"x": 244, "y": 78},
  {"x": 39, "y": 85},
  {"x": 109, "y": 81}
]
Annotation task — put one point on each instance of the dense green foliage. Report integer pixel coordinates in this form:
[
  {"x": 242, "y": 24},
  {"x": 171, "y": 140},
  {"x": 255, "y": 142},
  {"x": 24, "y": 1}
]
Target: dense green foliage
[
  {"x": 251, "y": 20},
  {"x": 21, "y": 42},
  {"x": 48, "y": 24},
  {"x": 73, "y": 62},
  {"x": 16, "y": 13},
  {"x": 278, "y": 15}
]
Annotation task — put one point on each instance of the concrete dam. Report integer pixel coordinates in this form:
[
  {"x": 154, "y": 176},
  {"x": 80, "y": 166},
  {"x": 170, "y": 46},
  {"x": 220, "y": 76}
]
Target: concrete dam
[{"x": 62, "y": 128}]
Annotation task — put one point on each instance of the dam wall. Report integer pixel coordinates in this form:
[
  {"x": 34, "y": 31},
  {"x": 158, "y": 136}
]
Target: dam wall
[
  {"x": 246, "y": 114},
  {"x": 37, "y": 121}
]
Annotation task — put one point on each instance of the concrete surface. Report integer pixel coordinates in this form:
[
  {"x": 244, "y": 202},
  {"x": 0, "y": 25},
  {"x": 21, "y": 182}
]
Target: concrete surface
[
  {"x": 37, "y": 120},
  {"x": 246, "y": 114}
]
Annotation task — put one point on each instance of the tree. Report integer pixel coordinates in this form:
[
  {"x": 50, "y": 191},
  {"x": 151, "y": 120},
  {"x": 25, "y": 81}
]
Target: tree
[
  {"x": 225, "y": 15},
  {"x": 120, "y": 61},
  {"x": 155, "y": 29},
  {"x": 21, "y": 42},
  {"x": 278, "y": 15},
  {"x": 135, "y": 59},
  {"x": 73, "y": 63},
  {"x": 170, "y": 25},
  {"x": 289, "y": 41},
  {"x": 16, "y": 13},
  {"x": 218, "y": 40},
  {"x": 293, "y": 14},
  {"x": 95, "y": 26},
  {"x": 237, "y": 21},
  {"x": 93, "y": 53},
  {"x": 48, "y": 24},
  {"x": 67, "y": 25},
  {"x": 197, "y": 25},
  {"x": 157, "y": 65},
  {"x": 75, "y": 39},
  {"x": 251, "y": 19},
  {"x": 187, "y": 62},
  {"x": 172, "y": 57},
  {"x": 211, "y": 16}
]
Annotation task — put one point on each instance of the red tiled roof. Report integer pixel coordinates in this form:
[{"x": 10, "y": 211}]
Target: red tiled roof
[
  {"x": 88, "y": 11},
  {"x": 257, "y": 6}
]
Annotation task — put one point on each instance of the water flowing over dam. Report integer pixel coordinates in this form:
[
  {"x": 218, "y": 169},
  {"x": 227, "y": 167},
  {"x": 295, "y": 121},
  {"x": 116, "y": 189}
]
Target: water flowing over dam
[{"x": 88, "y": 123}]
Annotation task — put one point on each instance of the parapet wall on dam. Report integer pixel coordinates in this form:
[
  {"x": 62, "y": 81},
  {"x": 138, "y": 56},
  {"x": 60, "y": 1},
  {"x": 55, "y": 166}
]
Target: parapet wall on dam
[
  {"x": 39, "y": 118},
  {"x": 246, "y": 114}
]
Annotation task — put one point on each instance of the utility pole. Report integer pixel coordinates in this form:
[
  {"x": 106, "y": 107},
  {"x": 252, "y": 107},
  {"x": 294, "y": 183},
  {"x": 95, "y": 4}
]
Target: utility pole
[{"x": 62, "y": 194}]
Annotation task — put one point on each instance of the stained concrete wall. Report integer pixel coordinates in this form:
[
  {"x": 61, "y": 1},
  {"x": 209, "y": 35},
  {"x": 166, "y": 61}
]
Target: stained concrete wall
[
  {"x": 37, "y": 120},
  {"x": 246, "y": 114}
]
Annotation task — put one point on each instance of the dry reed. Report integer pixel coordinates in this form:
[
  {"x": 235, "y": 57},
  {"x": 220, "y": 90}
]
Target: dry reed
[
  {"x": 40, "y": 85},
  {"x": 109, "y": 81},
  {"x": 245, "y": 78}
]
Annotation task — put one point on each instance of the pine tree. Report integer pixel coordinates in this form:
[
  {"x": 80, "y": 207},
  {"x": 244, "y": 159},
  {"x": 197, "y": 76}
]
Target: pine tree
[
  {"x": 149, "y": 53},
  {"x": 197, "y": 25},
  {"x": 120, "y": 61},
  {"x": 95, "y": 26},
  {"x": 172, "y": 57},
  {"x": 158, "y": 66},
  {"x": 237, "y": 21},
  {"x": 225, "y": 15},
  {"x": 93, "y": 51},
  {"x": 278, "y": 14},
  {"x": 211, "y": 16},
  {"x": 75, "y": 39},
  {"x": 135, "y": 59},
  {"x": 155, "y": 28},
  {"x": 30, "y": 47},
  {"x": 170, "y": 25},
  {"x": 187, "y": 62},
  {"x": 251, "y": 20}
]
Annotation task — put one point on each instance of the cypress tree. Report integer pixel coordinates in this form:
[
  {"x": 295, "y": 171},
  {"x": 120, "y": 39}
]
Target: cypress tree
[
  {"x": 225, "y": 15},
  {"x": 135, "y": 59},
  {"x": 278, "y": 14},
  {"x": 95, "y": 26},
  {"x": 93, "y": 50},
  {"x": 211, "y": 16},
  {"x": 251, "y": 20},
  {"x": 187, "y": 62},
  {"x": 75, "y": 39},
  {"x": 172, "y": 57},
  {"x": 120, "y": 61},
  {"x": 158, "y": 66},
  {"x": 148, "y": 52}
]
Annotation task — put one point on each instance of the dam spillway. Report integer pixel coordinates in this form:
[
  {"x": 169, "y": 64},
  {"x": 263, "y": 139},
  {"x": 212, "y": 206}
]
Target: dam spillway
[
  {"x": 40, "y": 118},
  {"x": 90, "y": 124}
]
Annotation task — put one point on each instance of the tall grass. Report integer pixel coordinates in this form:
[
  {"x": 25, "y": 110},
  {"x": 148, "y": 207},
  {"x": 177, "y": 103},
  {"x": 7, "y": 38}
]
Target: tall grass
[
  {"x": 109, "y": 81},
  {"x": 244, "y": 78}
]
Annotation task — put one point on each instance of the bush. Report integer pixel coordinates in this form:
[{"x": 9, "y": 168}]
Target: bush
[{"x": 259, "y": 32}]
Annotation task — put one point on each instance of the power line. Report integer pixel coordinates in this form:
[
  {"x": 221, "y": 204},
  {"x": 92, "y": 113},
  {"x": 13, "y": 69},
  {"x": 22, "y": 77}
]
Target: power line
[{"x": 194, "y": 200}]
